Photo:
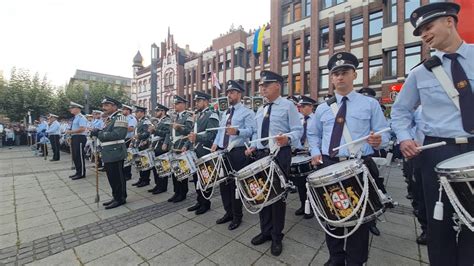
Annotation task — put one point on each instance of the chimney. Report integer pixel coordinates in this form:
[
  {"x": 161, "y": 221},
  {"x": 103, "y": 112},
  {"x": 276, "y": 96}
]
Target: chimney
[{"x": 187, "y": 49}]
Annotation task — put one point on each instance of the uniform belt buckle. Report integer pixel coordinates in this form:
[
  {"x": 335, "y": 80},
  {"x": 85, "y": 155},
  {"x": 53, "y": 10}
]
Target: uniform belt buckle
[{"x": 461, "y": 140}]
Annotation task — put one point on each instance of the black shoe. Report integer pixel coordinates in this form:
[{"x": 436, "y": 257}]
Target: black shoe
[
  {"x": 153, "y": 189},
  {"x": 203, "y": 209},
  {"x": 260, "y": 239},
  {"x": 114, "y": 204},
  {"x": 138, "y": 182},
  {"x": 128, "y": 178},
  {"x": 54, "y": 160},
  {"x": 226, "y": 218},
  {"x": 143, "y": 184},
  {"x": 71, "y": 176},
  {"x": 277, "y": 247},
  {"x": 299, "y": 211},
  {"x": 374, "y": 230},
  {"x": 409, "y": 196},
  {"x": 158, "y": 191},
  {"x": 179, "y": 198},
  {"x": 421, "y": 240},
  {"x": 101, "y": 169},
  {"x": 329, "y": 263},
  {"x": 194, "y": 207},
  {"x": 293, "y": 190},
  {"x": 108, "y": 202},
  {"x": 78, "y": 177},
  {"x": 308, "y": 216},
  {"x": 173, "y": 198},
  {"x": 234, "y": 224}
]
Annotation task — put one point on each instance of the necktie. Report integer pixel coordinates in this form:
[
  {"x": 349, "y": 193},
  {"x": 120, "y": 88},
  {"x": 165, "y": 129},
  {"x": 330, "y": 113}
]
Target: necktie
[
  {"x": 228, "y": 123},
  {"x": 266, "y": 125},
  {"x": 338, "y": 128},
  {"x": 305, "y": 126},
  {"x": 466, "y": 97}
]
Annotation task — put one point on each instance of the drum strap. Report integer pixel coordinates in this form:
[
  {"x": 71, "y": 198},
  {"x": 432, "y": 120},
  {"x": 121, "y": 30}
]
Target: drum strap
[
  {"x": 345, "y": 131},
  {"x": 434, "y": 65}
]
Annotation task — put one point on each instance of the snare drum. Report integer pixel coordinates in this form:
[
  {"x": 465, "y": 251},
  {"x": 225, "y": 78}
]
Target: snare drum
[
  {"x": 301, "y": 166},
  {"x": 145, "y": 160},
  {"x": 213, "y": 169},
  {"x": 338, "y": 193},
  {"x": 163, "y": 164},
  {"x": 131, "y": 152},
  {"x": 457, "y": 177},
  {"x": 261, "y": 184},
  {"x": 183, "y": 165}
]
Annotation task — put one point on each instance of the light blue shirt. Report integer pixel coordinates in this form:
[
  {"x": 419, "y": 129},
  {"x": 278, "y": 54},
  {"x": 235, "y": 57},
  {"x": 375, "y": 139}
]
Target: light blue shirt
[
  {"x": 244, "y": 119},
  {"x": 54, "y": 128},
  {"x": 418, "y": 124},
  {"x": 42, "y": 126},
  {"x": 284, "y": 118},
  {"x": 78, "y": 122},
  {"x": 97, "y": 123},
  {"x": 132, "y": 122},
  {"x": 441, "y": 116},
  {"x": 306, "y": 144},
  {"x": 362, "y": 116}
]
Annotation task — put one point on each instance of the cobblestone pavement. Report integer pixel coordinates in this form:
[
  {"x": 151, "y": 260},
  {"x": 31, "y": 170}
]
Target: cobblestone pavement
[{"x": 48, "y": 219}]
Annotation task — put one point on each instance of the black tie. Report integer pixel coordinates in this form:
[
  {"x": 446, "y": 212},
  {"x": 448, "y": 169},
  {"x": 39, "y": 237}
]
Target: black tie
[
  {"x": 338, "y": 128},
  {"x": 266, "y": 125},
  {"x": 466, "y": 97},
  {"x": 228, "y": 124},
  {"x": 305, "y": 126}
]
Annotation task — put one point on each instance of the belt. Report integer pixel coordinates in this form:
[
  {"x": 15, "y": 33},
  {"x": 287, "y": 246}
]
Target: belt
[
  {"x": 463, "y": 140},
  {"x": 342, "y": 158},
  {"x": 103, "y": 144}
]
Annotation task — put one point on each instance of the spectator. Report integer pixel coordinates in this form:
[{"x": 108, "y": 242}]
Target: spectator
[{"x": 9, "y": 135}]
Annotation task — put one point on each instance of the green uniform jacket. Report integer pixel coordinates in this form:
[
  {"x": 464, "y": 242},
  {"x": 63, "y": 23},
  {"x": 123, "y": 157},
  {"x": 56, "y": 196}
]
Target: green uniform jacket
[
  {"x": 162, "y": 130},
  {"x": 115, "y": 129},
  {"x": 142, "y": 132},
  {"x": 186, "y": 122},
  {"x": 205, "y": 119}
]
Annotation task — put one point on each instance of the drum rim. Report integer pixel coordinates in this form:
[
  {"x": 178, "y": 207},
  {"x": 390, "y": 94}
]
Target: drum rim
[
  {"x": 301, "y": 155},
  {"x": 331, "y": 178},
  {"x": 366, "y": 219},
  {"x": 246, "y": 172},
  {"x": 209, "y": 156},
  {"x": 466, "y": 169}
]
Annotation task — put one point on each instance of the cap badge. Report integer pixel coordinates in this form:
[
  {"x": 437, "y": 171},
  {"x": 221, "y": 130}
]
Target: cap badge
[{"x": 339, "y": 62}]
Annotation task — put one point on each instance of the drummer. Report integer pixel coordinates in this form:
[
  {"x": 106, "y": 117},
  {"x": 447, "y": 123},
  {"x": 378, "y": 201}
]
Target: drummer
[
  {"x": 278, "y": 118},
  {"x": 447, "y": 119},
  {"x": 362, "y": 116},
  {"x": 240, "y": 125},
  {"x": 204, "y": 119},
  {"x": 306, "y": 105},
  {"x": 141, "y": 142}
]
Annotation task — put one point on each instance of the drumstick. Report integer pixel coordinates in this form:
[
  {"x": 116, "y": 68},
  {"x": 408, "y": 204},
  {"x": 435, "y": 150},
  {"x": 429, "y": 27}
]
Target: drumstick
[
  {"x": 206, "y": 148},
  {"x": 269, "y": 138},
  {"x": 361, "y": 139},
  {"x": 430, "y": 146},
  {"x": 219, "y": 128}
]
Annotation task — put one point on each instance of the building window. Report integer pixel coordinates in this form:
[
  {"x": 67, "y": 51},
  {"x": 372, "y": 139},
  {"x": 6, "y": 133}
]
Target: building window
[
  {"x": 284, "y": 52},
  {"x": 286, "y": 15},
  {"x": 266, "y": 54},
  {"x": 392, "y": 11},
  {"x": 307, "y": 84},
  {"x": 391, "y": 64},
  {"x": 357, "y": 28},
  {"x": 296, "y": 48},
  {"x": 307, "y": 10},
  {"x": 285, "y": 86},
  {"x": 256, "y": 59},
  {"x": 238, "y": 57},
  {"x": 297, "y": 11},
  {"x": 375, "y": 70},
  {"x": 375, "y": 23},
  {"x": 324, "y": 79},
  {"x": 360, "y": 74},
  {"x": 412, "y": 57},
  {"x": 330, "y": 3},
  {"x": 410, "y": 6},
  {"x": 324, "y": 33},
  {"x": 340, "y": 33},
  {"x": 296, "y": 84},
  {"x": 307, "y": 44}
]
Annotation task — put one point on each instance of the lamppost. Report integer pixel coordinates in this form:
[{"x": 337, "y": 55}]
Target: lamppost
[{"x": 153, "y": 85}]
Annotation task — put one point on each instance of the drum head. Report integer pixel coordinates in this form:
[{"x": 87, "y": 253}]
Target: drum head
[
  {"x": 332, "y": 173},
  {"x": 209, "y": 156},
  {"x": 255, "y": 167},
  {"x": 298, "y": 159},
  {"x": 460, "y": 163}
]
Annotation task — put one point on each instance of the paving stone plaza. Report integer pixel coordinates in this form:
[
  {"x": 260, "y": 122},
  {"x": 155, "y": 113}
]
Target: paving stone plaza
[{"x": 48, "y": 219}]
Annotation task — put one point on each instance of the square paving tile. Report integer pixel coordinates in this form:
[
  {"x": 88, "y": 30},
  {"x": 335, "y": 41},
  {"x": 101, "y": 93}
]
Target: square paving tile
[
  {"x": 295, "y": 253},
  {"x": 247, "y": 236},
  {"x": 231, "y": 254},
  {"x": 179, "y": 255},
  {"x": 137, "y": 233},
  {"x": 98, "y": 248},
  {"x": 223, "y": 229},
  {"x": 267, "y": 260},
  {"x": 154, "y": 245},
  {"x": 124, "y": 256},
  {"x": 186, "y": 230},
  {"x": 306, "y": 235},
  {"x": 169, "y": 220},
  {"x": 208, "y": 219},
  {"x": 37, "y": 232},
  {"x": 321, "y": 257},
  {"x": 396, "y": 245},
  {"x": 8, "y": 240},
  {"x": 208, "y": 242},
  {"x": 380, "y": 257},
  {"x": 62, "y": 215},
  {"x": 79, "y": 221},
  {"x": 66, "y": 257}
]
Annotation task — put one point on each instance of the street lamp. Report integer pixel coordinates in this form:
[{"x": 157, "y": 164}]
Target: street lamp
[{"x": 153, "y": 82}]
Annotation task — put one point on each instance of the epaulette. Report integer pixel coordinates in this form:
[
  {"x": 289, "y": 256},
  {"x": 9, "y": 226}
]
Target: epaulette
[
  {"x": 331, "y": 100},
  {"x": 121, "y": 121},
  {"x": 421, "y": 62},
  {"x": 214, "y": 116},
  {"x": 434, "y": 61}
]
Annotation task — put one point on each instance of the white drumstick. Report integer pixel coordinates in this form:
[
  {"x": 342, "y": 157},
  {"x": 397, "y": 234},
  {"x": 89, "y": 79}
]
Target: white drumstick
[
  {"x": 269, "y": 138},
  {"x": 430, "y": 146},
  {"x": 206, "y": 148},
  {"x": 361, "y": 139},
  {"x": 219, "y": 128}
]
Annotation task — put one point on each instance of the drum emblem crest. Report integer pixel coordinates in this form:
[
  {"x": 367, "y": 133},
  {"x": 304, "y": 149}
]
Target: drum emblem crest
[
  {"x": 166, "y": 165},
  {"x": 340, "y": 202}
]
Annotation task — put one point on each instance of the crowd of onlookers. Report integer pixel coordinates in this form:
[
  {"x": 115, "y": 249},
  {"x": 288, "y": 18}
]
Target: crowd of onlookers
[{"x": 13, "y": 134}]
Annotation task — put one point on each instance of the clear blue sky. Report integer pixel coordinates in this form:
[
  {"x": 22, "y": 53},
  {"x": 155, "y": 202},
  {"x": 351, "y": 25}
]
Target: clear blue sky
[{"x": 56, "y": 37}]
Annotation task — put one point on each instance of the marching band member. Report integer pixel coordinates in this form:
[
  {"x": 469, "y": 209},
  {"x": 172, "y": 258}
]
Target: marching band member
[
  {"x": 280, "y": 118},
  {"x": 162, "y": 130},
  {"x": 181, "y": 127},
  {"x": 204, "y": 119},
  {"x": 362, "y": 116},
  {"x": 97, "y": 122},
  {"x": 306, "y": 105},
  {"x": 141, "y": 142},
  {"x": 78, "y": 140},
  {"x": 447, "y": 118},
  {"x": 131, "y": 125},
  {"x": 40, "y": 133},
  {"x": 242, "y": 120},
  {"x": 54, "y": 132},
  {"x": 113, "y": 150}
]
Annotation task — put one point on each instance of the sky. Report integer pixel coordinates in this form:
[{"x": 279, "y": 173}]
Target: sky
[{"x": 56, "y": 37}]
